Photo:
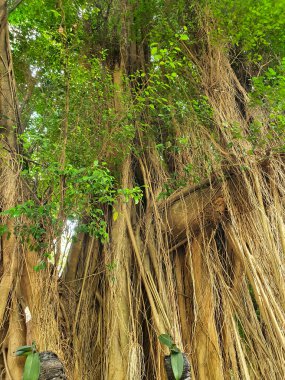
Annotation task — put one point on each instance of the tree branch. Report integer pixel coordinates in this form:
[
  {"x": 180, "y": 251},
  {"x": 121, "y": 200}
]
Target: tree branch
[{"x": 14, "y": 6}]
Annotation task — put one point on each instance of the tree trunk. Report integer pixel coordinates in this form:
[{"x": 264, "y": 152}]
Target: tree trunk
[
  {"x": 20, "y": 286},
  {"x": 204, "y": 265},
  {"x": 10, "y": 195}
]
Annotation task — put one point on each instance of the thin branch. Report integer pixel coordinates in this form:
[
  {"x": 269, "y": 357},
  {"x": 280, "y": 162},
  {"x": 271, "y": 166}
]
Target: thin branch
[{"x": 14, "y": 6}]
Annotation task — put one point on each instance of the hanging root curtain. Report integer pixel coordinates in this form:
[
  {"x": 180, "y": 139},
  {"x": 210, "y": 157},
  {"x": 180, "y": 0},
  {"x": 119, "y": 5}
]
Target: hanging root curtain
[{"x": 204, "y": 264}]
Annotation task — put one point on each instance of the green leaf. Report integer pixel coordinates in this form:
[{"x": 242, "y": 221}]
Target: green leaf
[
  {"x": 157, "y": 57},
  {"x": 3, "y": 229},
  {"x": 41, "y": 266},
  {"x": 32, "y": 367},
  {"x": 22, "y": 353},
  {"x": 115, "y": 215},
  {"x": 184, "y": 37},
  {"x": 24, "y": 350},
  {"x": 57, "y": 14},
  {"x": 177, "y": 364},
  {"x": 166, "y": 340}
]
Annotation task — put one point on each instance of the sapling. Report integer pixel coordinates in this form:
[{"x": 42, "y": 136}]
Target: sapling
[
  {"x": 32, "y": 363},
  {"x": 176, "y": 364}
]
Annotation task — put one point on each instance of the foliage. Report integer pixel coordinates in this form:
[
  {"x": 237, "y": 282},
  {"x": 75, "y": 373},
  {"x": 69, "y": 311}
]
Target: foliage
[
  {"x": 184, "y": 69},
  {"x": 52, "y": 52},
  {"x": 87, "y": 190},
  {"x": 269, "y": 93},
  {"x": 254, "y": 34},
  {"x": 254, "y": 25},
  {"x": 177, "y": 360},
  {"x": 32, "y": 363}
]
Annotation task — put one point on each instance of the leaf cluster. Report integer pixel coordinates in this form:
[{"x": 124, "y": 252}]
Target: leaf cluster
[
  {"x": 176, "y": 357},
  {"x": 32, "y": 363}
]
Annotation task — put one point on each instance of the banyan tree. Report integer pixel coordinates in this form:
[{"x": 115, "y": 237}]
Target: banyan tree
[{"x": 142, "y": 187}]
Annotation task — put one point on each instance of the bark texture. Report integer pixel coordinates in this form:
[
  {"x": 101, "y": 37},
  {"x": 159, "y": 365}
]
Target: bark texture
[{"x": 204, "y": 264}]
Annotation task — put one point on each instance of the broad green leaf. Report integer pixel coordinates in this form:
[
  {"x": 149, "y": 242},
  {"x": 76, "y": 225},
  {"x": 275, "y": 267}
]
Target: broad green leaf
[
  {"x": 24, "y": 347},
  {"x": 22, "y": 353},
  {"x": 32, "y": 367},
  {"x": 166, "y": 339},
  {"x": 177, "y": 364},
  {"x": 23, "y": 350},
  {"x": 184, "y": 37}
]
